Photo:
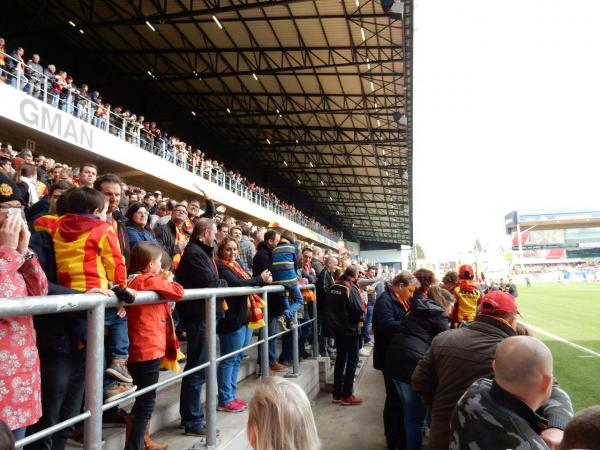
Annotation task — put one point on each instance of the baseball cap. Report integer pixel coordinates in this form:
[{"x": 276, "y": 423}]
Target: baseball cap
[
  {"x": 465, "y": 271},
  {"x": 497, "y": 303}
]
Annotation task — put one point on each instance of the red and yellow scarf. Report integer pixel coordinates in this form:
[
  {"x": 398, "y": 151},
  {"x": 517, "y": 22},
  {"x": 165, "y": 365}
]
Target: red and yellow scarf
[
  {"x": 172, "y": 352},
  {"x": 179, "y": 237},
  {"x": 256, "y": 318}
]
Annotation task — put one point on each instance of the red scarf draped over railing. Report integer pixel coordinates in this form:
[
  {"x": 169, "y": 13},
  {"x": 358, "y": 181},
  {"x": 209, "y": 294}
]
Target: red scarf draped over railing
[{"x": 256, "y": 318}]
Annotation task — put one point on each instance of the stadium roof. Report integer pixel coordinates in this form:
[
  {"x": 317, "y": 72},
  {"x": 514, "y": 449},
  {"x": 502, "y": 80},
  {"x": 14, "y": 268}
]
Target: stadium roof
[{"x": 303, "y": 96}]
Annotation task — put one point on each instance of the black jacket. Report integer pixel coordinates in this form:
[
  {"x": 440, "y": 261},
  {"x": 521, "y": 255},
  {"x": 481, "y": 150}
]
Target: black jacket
[
  {"x": 324, "y": 282},
  {"x": 387, "y": 318},
  {"x": 36, "y": 210},
  {"x": 197, "y": 269},
  {"x": 262, "y": 259},
  {"x": 122, "y": 233},
  {"x": 424, "y": 321},
  {"x": 343, "y": 309},
  {"x": 56, "y": 333},
  {"x": 236, "y": 315},
  {"x": 165, "y": 235},
  {"x": 261, "y": 262}
]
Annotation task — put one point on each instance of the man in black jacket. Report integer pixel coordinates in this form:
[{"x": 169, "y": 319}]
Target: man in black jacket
[
  {"x": 344, "y": 315},
  {"x": 324, "y": 283},
  {"x": 197, "y": 269},
  {"x": 260, "y": 263}
]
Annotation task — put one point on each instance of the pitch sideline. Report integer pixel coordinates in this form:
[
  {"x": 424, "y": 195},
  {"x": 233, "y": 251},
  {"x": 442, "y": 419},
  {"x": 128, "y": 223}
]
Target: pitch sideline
[{"x": 563, "y": 340}]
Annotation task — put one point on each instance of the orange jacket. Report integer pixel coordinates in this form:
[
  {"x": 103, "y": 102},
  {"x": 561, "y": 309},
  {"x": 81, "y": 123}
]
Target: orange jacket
[
  {"x": 147, "y": 324},
  {"x": 87, "y": 253}
]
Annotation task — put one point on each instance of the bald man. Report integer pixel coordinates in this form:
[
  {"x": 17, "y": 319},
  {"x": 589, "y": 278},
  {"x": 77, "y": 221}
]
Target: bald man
[{"x": 507, "y": 412}]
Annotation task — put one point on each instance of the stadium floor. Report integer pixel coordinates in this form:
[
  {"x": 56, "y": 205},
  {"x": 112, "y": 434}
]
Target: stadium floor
[{"x": 570, "y": 312}]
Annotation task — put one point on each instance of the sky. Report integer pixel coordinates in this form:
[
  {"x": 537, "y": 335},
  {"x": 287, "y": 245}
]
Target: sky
[{"x": 506, "y": 115}]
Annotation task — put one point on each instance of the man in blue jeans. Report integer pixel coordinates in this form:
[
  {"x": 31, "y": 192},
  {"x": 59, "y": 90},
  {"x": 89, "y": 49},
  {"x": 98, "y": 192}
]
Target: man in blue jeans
[
  {"x": 196, "y": 269},
  {"x": 374, "y": 288}
]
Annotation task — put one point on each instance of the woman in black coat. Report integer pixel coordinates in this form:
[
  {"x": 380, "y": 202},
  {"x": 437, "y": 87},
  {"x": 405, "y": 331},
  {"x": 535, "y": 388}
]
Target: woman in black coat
[
  {"x": 242, "y": 315},
  {"x": 426, "y": 318}
]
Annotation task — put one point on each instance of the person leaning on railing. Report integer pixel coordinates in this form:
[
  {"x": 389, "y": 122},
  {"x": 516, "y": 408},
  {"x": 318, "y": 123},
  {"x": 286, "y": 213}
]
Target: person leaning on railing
[{"x": 20, "y": 276}]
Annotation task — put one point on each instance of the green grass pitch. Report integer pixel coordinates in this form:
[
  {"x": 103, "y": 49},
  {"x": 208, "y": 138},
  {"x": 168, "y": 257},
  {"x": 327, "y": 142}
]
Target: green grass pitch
[{"x": 571, "y": 311}]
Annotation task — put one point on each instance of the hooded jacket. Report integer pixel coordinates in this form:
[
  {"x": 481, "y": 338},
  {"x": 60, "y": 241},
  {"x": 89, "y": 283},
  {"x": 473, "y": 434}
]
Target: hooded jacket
[
  {"x": 467, "y": 298},
  {"x": 88, "y": 254},
  {"x": 424, "y": 321}
]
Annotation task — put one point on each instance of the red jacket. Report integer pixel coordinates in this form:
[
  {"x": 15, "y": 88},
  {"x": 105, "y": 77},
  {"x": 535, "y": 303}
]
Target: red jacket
[
  {"x": 20, "y": 390},
  {"x": 147, "y": 324}
]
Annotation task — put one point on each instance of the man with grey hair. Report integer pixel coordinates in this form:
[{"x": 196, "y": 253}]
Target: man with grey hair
[
  {"x": 506, "y": 412},
  {"x": 317, "y": 260}
]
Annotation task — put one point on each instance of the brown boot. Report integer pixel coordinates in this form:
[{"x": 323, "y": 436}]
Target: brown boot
[
  {"x": 128, "y": 429},
  {"x": 152, "y": 445}
]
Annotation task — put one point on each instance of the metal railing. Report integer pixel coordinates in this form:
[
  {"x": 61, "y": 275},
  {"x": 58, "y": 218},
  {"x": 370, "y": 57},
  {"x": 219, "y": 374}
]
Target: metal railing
[
  {"x": 95, "y": 304},
  {"x": 129, "y": 128}
]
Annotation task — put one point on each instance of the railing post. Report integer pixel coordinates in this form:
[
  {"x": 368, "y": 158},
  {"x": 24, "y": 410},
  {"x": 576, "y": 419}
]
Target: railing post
[
  {"x": 94, "y": 373},
  {"x": 264, "y": 335},
  {"x": 315, "y": 327},
  {"x": 295, "y": 354},
  {"x": 211, "y": 371},
  {"x": 45, "y": 97}
]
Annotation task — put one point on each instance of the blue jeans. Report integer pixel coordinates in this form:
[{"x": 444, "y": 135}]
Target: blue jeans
[
  {"x": 24, "y": 81},
  {"x": 190, "y": 404},
  {"x": 272, "y": 348},
  {"x": 294, "y": 302},
  {"x": 117, "y": 343},
  {"x": 368, "y": 320},
  {"x": 393, "y": 416},
  {"x": 227, "y": 371},
  {"x": 117, "y": 340},
  {"x": 414, "y": 415},
  {"x": 345, "y": 365},
  {"x": 19, "y": 434}
]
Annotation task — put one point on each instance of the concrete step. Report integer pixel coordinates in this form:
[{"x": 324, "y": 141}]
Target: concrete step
[{"x": 165, "y": 423}]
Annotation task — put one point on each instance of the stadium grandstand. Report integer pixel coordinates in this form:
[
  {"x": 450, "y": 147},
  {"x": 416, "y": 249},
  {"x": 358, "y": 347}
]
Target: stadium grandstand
[
  {"x": 557, "y": 240},
  {"x": 291, "y": 120}
]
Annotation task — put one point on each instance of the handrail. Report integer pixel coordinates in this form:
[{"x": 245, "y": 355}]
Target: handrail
[
  {"x": 96, "y": 304},
  {"x": 84, "y": 108}
]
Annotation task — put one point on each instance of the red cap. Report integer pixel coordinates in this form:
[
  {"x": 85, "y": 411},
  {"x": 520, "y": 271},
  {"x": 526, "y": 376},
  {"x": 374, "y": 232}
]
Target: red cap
[
  {"x": 497, "y": 303},
  {"x": 465, "y": 272}
]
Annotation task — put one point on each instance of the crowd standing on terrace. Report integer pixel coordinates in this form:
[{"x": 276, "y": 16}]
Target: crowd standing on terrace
[
  {"x": 454, "y": 358},
  {"x": 59, "y": 89}
]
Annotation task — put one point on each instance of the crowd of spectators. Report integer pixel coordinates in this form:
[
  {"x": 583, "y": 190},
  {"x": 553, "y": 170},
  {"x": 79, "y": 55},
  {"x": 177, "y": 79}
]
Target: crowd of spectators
[
  {"x": 68, "y": 230},
  {"x": 58, "y": 88}
]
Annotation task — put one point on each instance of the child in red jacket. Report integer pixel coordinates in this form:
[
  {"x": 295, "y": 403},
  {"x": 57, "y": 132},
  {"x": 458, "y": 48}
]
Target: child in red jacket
[{"x": 152, "y": 340}]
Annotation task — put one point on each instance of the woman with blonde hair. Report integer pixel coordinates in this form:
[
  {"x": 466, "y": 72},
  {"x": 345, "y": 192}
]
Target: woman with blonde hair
[{"x": 280, "y": 418}]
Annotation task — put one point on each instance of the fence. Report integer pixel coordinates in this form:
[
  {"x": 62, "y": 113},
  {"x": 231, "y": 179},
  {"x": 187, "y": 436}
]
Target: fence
[
  {"x": 95, "y": 304},
  {"x": 43, "y": 86}
]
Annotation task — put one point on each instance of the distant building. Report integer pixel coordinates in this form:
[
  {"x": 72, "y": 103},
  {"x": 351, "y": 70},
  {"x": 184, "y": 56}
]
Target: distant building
[{"x": 555, "y": 236}]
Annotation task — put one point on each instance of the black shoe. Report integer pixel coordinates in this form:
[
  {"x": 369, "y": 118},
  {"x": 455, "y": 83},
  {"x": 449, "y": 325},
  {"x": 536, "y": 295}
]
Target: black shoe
[
  {"x": 200, "y": 430},
  {"x": 305, "y": 354}
]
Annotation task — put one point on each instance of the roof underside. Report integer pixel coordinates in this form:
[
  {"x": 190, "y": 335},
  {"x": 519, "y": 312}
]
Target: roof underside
[{"x": 299, "y": 95}]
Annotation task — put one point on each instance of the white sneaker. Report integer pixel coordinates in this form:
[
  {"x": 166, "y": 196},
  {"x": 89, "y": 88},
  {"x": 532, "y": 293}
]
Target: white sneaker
[{"x": 364, "y": 352}]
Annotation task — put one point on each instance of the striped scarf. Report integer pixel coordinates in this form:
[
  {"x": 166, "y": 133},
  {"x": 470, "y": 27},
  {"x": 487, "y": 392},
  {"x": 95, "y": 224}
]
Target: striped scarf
[{"x": 256, "y": 318}]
